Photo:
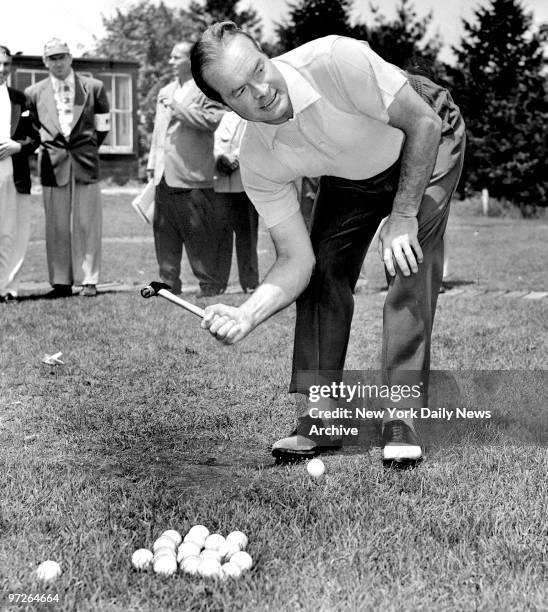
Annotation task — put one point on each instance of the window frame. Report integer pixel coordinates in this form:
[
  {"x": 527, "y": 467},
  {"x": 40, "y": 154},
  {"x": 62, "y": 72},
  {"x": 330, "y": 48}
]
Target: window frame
[{"x": 115, "y": 149}]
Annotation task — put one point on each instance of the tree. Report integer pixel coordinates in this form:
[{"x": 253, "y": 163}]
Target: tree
[
  {"x": 501, "y": 91},
  {"x": 211, "y": 11},
  {"x": 310, "y": 19},
  {"x": 403, "y": 41},
  {"x": 146, "y": 33}
]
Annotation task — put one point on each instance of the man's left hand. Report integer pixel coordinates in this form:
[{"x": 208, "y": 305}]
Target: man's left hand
[
  {"x": 9, "y": 148},
  {"x": 399, "y": 243}
]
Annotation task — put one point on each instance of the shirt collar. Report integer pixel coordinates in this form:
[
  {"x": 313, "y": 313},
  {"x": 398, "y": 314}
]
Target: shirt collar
[
  {"x": 300, "y": 91},
  {"x": 57, "y": 83}
]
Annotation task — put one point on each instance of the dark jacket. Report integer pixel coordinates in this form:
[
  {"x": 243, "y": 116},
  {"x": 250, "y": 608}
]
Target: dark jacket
[{"x": 23, "y": 132}]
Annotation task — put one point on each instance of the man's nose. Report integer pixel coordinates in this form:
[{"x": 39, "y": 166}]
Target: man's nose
[{"x": 260, "y": 90}]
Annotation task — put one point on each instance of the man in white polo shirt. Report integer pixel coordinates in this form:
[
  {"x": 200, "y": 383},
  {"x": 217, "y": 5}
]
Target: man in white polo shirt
[{"x": 388, "y": 146}]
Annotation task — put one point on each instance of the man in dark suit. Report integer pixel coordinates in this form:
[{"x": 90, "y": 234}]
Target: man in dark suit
[
  {"x": 72, "y": 112},
  {"x": 18, "y": 140}
]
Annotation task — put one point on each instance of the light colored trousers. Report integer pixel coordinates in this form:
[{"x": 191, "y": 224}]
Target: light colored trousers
[
  {"x": 74, "y": 220},
  {"x": 14, "y": 229}
]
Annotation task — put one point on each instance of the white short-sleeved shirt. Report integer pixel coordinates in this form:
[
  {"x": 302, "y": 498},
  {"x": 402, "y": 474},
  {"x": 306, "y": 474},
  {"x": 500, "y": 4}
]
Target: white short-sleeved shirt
[{"x": 340, "y": 91}]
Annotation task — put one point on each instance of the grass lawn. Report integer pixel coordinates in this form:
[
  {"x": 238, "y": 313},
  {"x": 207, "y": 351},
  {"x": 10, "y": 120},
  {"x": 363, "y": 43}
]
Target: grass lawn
[{"x": 151, "y": 424}]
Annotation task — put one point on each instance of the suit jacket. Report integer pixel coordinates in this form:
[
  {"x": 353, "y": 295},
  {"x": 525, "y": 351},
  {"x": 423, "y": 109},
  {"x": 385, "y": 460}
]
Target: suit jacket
[
  {"x": 23, "y": 132},
  {"x": 81, "y": 150},
  {"x": 182, "y": 139}
]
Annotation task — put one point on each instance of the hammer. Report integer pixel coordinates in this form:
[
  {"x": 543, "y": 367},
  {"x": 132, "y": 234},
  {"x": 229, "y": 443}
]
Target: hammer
[{"x": 155, "y": 288}]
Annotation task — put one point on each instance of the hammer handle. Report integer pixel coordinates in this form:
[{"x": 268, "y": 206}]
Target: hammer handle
[{"x": 199, "y": 312}]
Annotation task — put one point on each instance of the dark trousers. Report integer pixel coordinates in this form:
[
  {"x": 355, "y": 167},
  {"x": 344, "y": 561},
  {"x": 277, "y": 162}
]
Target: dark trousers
[
  {"x": 197, "y": 219},
  {"x": 244, "y": 220},
  {"x": 346, "y": 216}
]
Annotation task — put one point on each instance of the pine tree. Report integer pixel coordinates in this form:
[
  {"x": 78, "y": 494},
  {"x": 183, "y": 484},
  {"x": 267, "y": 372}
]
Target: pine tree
[
  {"x": 310, "y": 19},
  {"x": 403, "y": 41},
  {"x": 204, "y": 14},
  {"x": 501, "y": 91}
]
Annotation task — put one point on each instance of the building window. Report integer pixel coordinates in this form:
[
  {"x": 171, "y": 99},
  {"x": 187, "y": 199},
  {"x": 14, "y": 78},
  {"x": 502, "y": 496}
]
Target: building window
[
  {"x": 120, "y": 137},
  {"x": 25, "y": 77}
]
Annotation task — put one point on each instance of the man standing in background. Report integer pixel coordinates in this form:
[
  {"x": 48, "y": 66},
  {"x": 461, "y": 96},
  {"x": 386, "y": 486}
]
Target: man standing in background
[
  {"x": 187, "y": 210},
  {"x": 244, "y": 218},
  {"x": 72, "y": 112},
  {"x": 18, "y": 140}
]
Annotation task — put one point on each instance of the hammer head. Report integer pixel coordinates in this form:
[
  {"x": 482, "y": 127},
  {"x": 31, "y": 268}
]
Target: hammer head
[{"x": 152, "y": 289}]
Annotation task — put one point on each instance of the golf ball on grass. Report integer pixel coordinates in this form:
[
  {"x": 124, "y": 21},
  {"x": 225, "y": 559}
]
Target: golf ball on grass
[
  {"x": 165, "y": 565},
  {"x": 315, "y": 468},
  {"x": 210, "y": 554},
  {"x": 227, "y": 550},
  {"x": 194, "y": 538},
  {"x": 231, "y": 570},
  {"x": 173, "y": 535},
  {"x": 209, "y": 568},
  {"x": 189, "y": 565},
  {"x": 238, "y": 539},
  {"x": 214, "y": 541},
  {"x": 164, "y": 542},
  {"x": 141, "y": 559},
  {"x": 48, "y": 571},
  {"x": 242, "y": 559},
  {"x": 199, "y": 530},
  {"x": 188, "y": 549}
]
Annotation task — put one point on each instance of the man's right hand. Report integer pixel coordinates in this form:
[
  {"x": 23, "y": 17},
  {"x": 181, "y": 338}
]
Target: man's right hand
[
  {"x": 227, "y": 323},
  {"x": 225, "y": 165}
]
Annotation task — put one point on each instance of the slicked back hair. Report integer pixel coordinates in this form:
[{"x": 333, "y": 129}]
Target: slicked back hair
[
  {"x": 208, "y": 49},
  {"x": 5, "y": 50}
]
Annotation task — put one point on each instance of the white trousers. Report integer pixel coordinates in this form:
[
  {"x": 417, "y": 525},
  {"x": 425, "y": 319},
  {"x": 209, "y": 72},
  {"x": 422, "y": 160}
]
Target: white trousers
[
  {"x": 14, "y": 229},
  {"x": 73, "y": 233}
]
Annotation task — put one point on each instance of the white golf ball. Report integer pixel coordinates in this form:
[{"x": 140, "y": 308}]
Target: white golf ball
[
  {"x": 199, "y": 530},
  {"x": 214, "y": 541},
  {"x": 190, "y": 565},
  {"x": 194, "y": 538},
  {"x": 164, "y": 542},
  {"x": 164, "y": 551},
  {"x": 238, "y": 538},
  {"x": 188, "y": 549},
  {"x": 242, "y": 559},
  {"x": 231, "y": 570},
  {"x": 210, "y": 554},
  {"x": 228, "y": 549},
  {"x": 48, "y": 570},
  {"x": 315, "y": 468},
  {"x": 173, "y": 535},
  {"x": 209, "y": 568},
  {"x": 165, "y": 565},
  {"x": 141, "y": 559}
]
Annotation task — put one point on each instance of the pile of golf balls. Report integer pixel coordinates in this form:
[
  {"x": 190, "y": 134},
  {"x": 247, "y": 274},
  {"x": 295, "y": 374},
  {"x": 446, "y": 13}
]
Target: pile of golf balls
[{"x": 199, "y": 553}]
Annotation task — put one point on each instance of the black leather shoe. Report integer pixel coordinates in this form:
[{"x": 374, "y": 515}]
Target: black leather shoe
[
  {"x": 60, "y": 291},
  {"x": 210, "y": 292},
  {"x": 300, "y": 445},
  {"x": 9, "y": 298},
  {"x": 401, "y": 445}
]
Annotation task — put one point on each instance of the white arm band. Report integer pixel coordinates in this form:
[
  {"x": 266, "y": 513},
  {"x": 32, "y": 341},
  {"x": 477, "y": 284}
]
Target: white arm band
[{"x": 102, "y": 122}]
